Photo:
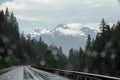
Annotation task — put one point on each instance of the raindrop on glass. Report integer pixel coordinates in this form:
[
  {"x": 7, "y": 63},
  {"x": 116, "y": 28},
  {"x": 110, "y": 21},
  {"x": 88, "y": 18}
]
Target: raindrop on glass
[
  {"x": 42, "y": 62},
  {"x": 54, "y": 52},
  {"x": 56, "y": 57},
  {"x": 108, "y": 45},
  {"x": 10, "y": 52},
  {"x": 94, "y": 54},
  {"x": 119, "y": 43},
  {"x": 2, "y": 50},
  {"x": 7, "y": 59},
  {"x": 88, "y": 52},
  {"x": 56, "y": 72},
  {"x": 5, "y": 39},
  {"x": 113, "y": 56},
  {"x": 85, "y": 70},
  {"x": 103, "y": 54},
  {"x": 13, "y": 46},
  {"x": 0, "y": 57}
]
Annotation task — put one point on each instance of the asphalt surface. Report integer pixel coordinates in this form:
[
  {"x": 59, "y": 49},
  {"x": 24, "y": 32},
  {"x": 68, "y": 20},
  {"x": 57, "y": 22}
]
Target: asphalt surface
[{"x": 29, "y": 73}]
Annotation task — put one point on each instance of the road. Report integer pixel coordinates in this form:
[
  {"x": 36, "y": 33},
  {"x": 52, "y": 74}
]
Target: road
[{"x": 29, "y": 73}]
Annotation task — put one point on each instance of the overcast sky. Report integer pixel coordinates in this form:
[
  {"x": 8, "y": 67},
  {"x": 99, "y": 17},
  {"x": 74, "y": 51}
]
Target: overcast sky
[{"x": 33, "y": 14}]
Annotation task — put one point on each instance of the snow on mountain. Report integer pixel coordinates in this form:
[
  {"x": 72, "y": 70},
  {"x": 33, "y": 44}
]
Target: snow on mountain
[
  {"x": 69, "y": 29},
  {"x": 65, "y": 35}
]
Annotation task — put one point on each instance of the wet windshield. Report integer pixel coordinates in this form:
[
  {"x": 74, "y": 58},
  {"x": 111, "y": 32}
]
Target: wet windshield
[{"x": 72, "y": 35}]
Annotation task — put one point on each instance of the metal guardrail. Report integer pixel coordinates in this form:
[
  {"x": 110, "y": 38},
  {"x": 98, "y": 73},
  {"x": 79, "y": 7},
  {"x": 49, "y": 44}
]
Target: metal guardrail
[{"x": 74, "y": 75}]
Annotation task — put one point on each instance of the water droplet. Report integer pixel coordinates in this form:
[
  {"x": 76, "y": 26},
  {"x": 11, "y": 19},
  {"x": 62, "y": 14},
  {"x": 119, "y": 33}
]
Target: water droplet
[
  {"x": 88, "y": 52},
  {"x": 8, "y": 77},
  {"x": 0, "y": 57},
  {"x": 42, "y": 62},
  {"x": 2, "y": 50},
  {"x": 113, "y": 56},
  {"x": 56, "y": 72},
  {"x": 119, "y": 43},
  {"x": 108, "y": 45},
  {"x": 5, "y": 39},
  {"x": 85, "y": 70},
  {"x": 10, "y": 52},
  {"x": 66, "y": 74},
  {"x": 56, "y": 57},
  {"x": 7, "y": 59},
  {"x": 13, "y": 46},
  {"x": 103, "y": 54},
  {"x": 94, "y": 54},
  {"x": 54, "y": 52}
]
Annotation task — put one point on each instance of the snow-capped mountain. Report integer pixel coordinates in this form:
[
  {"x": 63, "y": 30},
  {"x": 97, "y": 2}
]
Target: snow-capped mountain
[{"x": 65, "y": 35}]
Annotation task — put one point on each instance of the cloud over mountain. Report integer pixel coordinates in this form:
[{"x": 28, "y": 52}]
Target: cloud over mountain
[{"x": 65, "y": 35}]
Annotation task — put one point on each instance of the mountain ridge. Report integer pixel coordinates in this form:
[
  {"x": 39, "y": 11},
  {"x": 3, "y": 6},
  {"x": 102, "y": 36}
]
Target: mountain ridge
[{"x": 65, "y": 35}]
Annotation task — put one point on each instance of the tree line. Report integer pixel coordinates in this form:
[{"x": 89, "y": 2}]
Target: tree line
[{"x": 101, "y": 54}]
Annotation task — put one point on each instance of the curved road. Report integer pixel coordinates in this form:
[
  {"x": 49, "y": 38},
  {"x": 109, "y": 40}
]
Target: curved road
[{"x": 29, "y": 73}]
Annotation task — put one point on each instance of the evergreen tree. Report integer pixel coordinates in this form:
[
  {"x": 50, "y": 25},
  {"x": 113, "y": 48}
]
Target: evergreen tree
[
  {"x": 81, "y": 59},
  {"x": 50, "y": 60},
  {"x": 103, "y": 25},
  {"x": 89, "y": 43},
  {"x": 7, "y": 14}
]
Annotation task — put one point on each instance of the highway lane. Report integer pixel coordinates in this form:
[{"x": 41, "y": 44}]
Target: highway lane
[
  {"x": 29, "y": 73},
  {"x": 15, "y": 74}
]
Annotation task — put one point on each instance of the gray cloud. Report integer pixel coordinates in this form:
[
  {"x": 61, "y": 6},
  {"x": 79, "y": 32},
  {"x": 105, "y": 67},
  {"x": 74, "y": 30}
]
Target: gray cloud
[
  {"x": 49, "y": 13},
  {"x": 3, "y": 1}
]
